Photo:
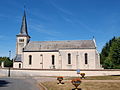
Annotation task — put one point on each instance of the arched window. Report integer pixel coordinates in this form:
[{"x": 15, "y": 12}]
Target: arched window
[
  {"x": 86, "y": 58},
  {"x": 19, "y": 65},
  {"x": 41, "y": 61},
  {"x": 69, "y": 58},
  {"x": 30, "y": 59},
  {"x": 53, "y": 59}
]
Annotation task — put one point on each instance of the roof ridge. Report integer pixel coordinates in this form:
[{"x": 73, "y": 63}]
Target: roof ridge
[{"x": 61, "y": 41}]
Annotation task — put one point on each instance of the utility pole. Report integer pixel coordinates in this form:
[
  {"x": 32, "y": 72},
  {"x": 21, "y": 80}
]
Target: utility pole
[
  {"x": 10, "y": 55},
  {"x": 9, "y": 72},
  {"x": 9, "y": 67}
]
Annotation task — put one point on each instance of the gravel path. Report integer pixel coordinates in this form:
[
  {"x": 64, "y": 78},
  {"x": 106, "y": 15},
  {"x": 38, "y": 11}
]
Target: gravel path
[{"x": 44, "y": 79}]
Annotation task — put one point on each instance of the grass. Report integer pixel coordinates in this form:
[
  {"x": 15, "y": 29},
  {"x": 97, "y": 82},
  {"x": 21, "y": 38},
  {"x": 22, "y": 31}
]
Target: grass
[
  {"x": 97, "y": 78},
  {"x": 86, "y": 85},
  {"x": 83, "y": 86}
]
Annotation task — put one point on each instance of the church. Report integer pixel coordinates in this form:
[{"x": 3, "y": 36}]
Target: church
[{"x": 68, "y": 54}]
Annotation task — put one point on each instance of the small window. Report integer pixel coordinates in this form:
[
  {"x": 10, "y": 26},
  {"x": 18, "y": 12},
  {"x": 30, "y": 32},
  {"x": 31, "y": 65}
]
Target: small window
[
  {"x": 19, "y": 65},
  {"x": 69, "y": 58},
  {"x": 53, "y": 60},
  {"x": 30, "y": 59},
  {"x": 86, "y": 58},
  {"x": 41, "y": 60},
  {"x": 21, "y": 40}
]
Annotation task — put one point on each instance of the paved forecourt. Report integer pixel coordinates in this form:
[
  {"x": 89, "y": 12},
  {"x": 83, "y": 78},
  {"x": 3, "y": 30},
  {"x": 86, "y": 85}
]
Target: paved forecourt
[{"x": 18, "y": 84}]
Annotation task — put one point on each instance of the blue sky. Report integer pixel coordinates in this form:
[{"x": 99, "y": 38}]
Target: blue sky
[{"x": 59, "y": 20}]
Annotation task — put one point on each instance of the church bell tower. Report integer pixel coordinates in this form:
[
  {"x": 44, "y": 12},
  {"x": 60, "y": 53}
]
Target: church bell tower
[{"x": 22, "y": 38}]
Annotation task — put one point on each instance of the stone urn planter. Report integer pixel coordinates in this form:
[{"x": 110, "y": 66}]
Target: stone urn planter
[
  {"x": 76, "y": 82},
  {"x": 82, "y": 75},
  {"x": 60, "y": 78}
]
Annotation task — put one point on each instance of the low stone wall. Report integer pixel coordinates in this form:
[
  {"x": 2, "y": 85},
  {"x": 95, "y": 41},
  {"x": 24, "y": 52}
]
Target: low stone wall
[{"x": 37, "y": 72}]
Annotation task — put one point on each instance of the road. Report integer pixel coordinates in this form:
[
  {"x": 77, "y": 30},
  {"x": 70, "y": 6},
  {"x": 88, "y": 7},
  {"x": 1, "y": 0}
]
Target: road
[{"x": 18, "y": 84}]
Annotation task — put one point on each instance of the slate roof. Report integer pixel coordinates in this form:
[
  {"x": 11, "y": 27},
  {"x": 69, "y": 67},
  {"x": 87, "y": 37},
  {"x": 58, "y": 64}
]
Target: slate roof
[
  {"x": 23, "y": 30},
  {"x": 18, "y": 58},
  {"x": 58, "y": 45}
]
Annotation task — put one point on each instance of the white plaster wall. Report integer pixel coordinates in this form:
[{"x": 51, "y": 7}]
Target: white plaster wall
[
  {"x": 38, "y": 60},
  {"x": 18, "y": 47},
  {"x": 78, "y": 59},
  {"x": 4, "y": 72},
  {"x": 43, "y": 60},
  {"x": 97, "y": 61},
  {"x": 16, "y": 64}
]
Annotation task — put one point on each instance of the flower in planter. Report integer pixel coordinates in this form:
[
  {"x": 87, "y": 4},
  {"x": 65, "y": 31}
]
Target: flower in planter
[
  {"x": 83, "y": 75},
  {"x": 76, "y": 82},
  {"x": 60, "y": 78}
]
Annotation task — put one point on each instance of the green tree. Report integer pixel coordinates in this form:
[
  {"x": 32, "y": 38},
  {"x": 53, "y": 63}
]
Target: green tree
[
  {"x": 110, "y": 55},
  {"x": 7, "y": 61},
  {"x": 106, "y": 49},
  {"x": 115, "y": 53}
]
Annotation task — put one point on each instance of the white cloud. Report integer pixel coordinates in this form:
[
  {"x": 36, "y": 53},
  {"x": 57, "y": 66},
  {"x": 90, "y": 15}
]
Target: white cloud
[
  {"x": 69, "y": 16},
  {"x": 40, "y": 28},
  {"x": 60, "y": 8}
]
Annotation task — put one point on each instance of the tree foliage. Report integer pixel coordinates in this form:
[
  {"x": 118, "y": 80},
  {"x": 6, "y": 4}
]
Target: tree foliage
[
  {"x": 110, "y": 55},
  {"x": 7, "y": 61}
]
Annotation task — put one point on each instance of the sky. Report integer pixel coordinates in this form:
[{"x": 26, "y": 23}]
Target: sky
[{"x": 53, "y": 20}]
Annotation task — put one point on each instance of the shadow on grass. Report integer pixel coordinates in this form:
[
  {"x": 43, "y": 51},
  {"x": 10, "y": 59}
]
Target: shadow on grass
[
  {"x": 115, "y": 75},
  {"x": 3, "y": 83},
  {"x": 77, "y": 89}
]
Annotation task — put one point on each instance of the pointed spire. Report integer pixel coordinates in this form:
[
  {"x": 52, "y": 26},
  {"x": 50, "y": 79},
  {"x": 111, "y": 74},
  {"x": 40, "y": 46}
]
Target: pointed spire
[{"x": 23, "y": 30}]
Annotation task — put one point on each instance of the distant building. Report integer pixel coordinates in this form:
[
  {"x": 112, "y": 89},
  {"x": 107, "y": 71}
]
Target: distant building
[{"x": 71, "y": 54}]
